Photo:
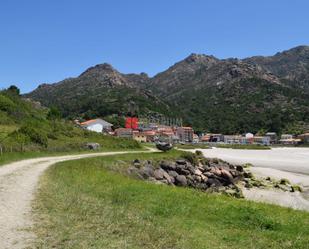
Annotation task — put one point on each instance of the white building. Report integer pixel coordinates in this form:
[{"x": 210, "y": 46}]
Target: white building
[{"x": 97, "y": 125}]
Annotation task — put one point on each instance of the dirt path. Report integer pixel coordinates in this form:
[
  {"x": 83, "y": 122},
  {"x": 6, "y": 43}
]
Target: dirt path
[{"x": 18, "y": 182}]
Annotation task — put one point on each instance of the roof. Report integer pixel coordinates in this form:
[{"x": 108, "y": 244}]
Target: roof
[{"x": 95, "y": 121}]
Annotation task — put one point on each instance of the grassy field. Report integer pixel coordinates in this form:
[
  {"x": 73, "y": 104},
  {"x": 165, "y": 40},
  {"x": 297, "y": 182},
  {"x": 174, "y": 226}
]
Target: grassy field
[
  {"x": 192, "y": 146},
  {"x": 90, "y": 203},
  {"x": 244, "y": 146}
]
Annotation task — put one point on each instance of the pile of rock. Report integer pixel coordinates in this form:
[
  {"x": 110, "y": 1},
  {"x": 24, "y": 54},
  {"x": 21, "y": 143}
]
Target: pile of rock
[{"x": 206, "y": 174}]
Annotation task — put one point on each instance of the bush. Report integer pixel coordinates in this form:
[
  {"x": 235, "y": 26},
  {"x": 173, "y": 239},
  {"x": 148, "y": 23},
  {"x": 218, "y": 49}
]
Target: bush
[
  {"x": 35, "y": 135},
  {"x": 190, "y": 157}
]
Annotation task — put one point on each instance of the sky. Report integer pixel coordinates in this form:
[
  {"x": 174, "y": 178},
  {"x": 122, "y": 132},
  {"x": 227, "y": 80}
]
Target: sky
[{"x": 44, "y": 41}]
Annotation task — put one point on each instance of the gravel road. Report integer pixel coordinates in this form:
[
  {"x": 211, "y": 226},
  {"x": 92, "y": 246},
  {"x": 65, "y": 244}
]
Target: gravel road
[{"x": 18, "y": 182}]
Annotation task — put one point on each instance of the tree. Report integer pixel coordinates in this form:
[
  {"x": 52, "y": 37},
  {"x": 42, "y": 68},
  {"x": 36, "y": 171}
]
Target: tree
[
  {"x": 14, "y": 90},
  {"x": 54, "y": 113}
]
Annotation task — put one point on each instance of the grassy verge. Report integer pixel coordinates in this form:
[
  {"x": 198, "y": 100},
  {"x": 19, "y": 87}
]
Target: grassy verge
[
  {"x": 192, "y": 146},
  {"x": 90, "y": 203},
  {"x": 17, "y": 156},
  {"x": 243, "y": 146}
]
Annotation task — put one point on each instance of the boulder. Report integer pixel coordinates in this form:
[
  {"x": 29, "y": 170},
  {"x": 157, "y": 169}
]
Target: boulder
[
  {"x": 167, "y": 165},
  {"x": 227, "y": 175},
  {"x": 181, "y": 180},
  {"x": 173, "y": 173},
  {"x": 147, "y": 171},
  {"x": 181, "y": 162},
  {"x": 198, "y": 172},
  {"x": 159, "y": 174},
  {"x": 92, "y": 146},
  {"x": 214, "y": 182},
  {"x": 168, "y": 178}
]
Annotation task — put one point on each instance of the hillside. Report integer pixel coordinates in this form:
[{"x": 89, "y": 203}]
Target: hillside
[
  {"x": 292, "y": 66},
  {"x": 100, "y": 91},
  {"x": 228, "y": 96},
  {"x": 26, "y": 126}
]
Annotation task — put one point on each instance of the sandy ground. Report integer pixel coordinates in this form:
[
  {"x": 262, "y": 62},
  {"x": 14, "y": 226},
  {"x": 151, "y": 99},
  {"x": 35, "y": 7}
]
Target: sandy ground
[
  {"x": 290, "y": 163},
  {"x": 18, "y": 182}
]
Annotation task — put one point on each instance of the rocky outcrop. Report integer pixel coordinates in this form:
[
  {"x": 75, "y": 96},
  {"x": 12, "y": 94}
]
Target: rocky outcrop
[{"x": 210, "y": 175}]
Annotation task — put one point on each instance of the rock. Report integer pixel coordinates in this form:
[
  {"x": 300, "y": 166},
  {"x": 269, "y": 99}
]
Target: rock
[
  {"x": 213, "y": 182},
  {"x": 209, "y": 174},
  {"x": 173, "y": 173},
  {"x": 239, "y": 168},
  {"x": 198, "y": 172},
  {"x": 159, "y": 174},
  {"x": 227, "y": 175},
  {"x": 147, "y": 171},
  {"x": 92, "y": 146},
  {"x": 248, "y": 174},
  {"x": 191, "y": 169},
  {"x": 215, "y": 171},
  {"x": 167, "y": 165},
  {"x": 181, "y": 180},
  {"x": 204, "y": 178},
  {"x": 181, "y": 162},
  {"x": 167, "y": 177}
]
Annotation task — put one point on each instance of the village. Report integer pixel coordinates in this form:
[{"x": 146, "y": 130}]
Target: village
[{"x": 154, "y": 132}]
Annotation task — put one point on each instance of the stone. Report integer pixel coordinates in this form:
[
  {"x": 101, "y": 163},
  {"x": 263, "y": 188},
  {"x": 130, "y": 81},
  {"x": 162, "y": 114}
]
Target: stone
[
  {"x": 239, "y": 168},
  {"x": 248, "y": 174},
  {"x": 159, "y": 174},
  {"x": 173, "y": 173},
  {"x": 167, "y": 177},
  {"x": 213, "y": 182},
  {"x": 92, "y": 146},
  {"x": 147, "y": 171},
  {"x": 227, "y": 175},
  {"x": 181, "y": 180},
  {"x": 167, "y": 165},
  {"x": 209, "y": 174},
  {"x": 181, "y": 162},
  {"x": 198, "y": 172}
]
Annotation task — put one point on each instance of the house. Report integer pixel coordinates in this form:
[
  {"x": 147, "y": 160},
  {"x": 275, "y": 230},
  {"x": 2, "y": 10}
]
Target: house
[
  {"x": 263, "y": 140},
  {"x": 215, "y": 138},
  {"x": 205, "y": 138},
  {"x": 185, "y": 134},
  {"x": 273, "y": 137},
  {"x": 97, "y": 125},
  {"x": 124, "y": 132},
  {"x": 304, "y": 138},
  {"x": 196, "y": 139},
  {"x": 288, "y": 139},
  {"x": 150, "y": 136},
  {"x": 233, "y": 139},
  {"x": 140, "y": 137}
]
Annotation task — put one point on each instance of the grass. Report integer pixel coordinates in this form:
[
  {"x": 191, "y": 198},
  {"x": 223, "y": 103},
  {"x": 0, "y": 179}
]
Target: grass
[
  {"x": 243, "y": 146},
  {"x": 90, "y": 203},
  {"x": 192, "y": 146},
  {"x": 10, "y": 157}
]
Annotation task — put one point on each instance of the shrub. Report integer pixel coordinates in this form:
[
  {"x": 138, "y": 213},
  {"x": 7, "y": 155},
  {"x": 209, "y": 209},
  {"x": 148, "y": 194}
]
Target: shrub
[
  {"x": 190, "y": 157},
  {"x": 35, "y": 135}
]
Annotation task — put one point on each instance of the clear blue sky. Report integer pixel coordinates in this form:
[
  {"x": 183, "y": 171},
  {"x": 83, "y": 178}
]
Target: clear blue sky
[{"x": 49, "y": 40}]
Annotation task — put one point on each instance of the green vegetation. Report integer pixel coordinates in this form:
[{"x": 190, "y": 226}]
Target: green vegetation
[
  {"x": 26, "y": 127},
  {"x": 91, "y": 203},
  {"x": 244, "y": 146},
  {"x": 192, "y": 146}
]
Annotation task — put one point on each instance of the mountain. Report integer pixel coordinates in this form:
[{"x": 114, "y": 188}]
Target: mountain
[
  {"x": 291, "y": 66},
  {"x": 99, "y": 91},
  {"x": 229, "y": 95}
]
